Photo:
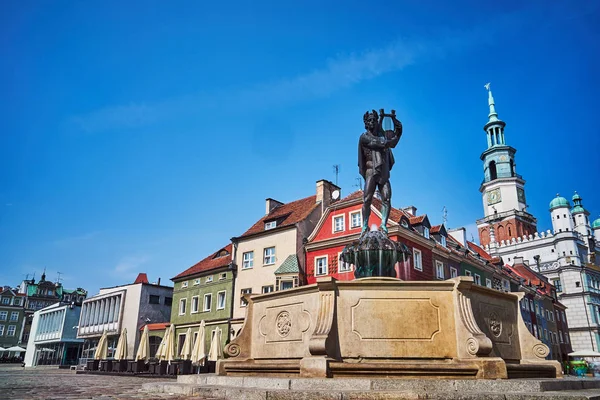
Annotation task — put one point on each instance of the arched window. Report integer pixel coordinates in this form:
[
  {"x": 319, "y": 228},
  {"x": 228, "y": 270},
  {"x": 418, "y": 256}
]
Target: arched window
[
  {"x": 493, "y": 173},
  {"x": 509, "y": 229},
  {"x": 512, "y": 167},
  {"x": 500, "y": 233}
]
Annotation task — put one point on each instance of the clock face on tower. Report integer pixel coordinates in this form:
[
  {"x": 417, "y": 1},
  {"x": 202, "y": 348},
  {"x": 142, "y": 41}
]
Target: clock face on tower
[
  {"x": 493, "y": 196},
  {"x": 521, "y": 195}
]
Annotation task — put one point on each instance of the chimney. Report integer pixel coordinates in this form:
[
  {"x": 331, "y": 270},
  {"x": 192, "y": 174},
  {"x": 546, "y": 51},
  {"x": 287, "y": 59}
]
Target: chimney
[
  {"x": 324, "y": 192},
  {"x": 412, "y": 210},
  {"x": 518, "y": 260},
  {"x": 271, "y": 205},
  {"x": 460, "y": 234},
  {"x": 158, "y": 283}
]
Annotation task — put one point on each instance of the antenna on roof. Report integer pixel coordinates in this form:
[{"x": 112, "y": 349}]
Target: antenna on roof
[
  {"x": 358, "y": 183},
  {"x": 336, "y": 171},
  {"x": 58, "y": 279},
  {"x": 444, "y": 215},
  {"x": 472, "y": 238}
]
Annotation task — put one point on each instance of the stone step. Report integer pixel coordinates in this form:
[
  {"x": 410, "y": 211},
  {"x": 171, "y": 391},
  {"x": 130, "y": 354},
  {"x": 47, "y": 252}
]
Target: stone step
[
  {"x": 259, "y": 388},
  {"x": 386, "y": 384},
  {"x": 236, "y": 393}
]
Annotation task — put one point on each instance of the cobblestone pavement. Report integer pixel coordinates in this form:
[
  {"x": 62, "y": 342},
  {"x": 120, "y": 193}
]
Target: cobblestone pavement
[{"x": 54, "y": 384}]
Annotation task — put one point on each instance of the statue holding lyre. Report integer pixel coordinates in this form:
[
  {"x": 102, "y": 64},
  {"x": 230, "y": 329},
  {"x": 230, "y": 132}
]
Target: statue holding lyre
[{"x": 375, "y": 161}]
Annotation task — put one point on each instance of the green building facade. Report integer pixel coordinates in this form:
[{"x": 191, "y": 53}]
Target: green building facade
[
  {"x": 12, "y": 315},
  {"x": 204, "y": 292}
]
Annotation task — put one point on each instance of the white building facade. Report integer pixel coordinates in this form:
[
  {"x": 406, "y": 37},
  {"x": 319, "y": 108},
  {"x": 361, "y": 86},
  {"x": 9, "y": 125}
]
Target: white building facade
[
  {"x": 53, "y": 338},
  {"x": 128, "y": 306},
  {"x": 568, "y": 254}
]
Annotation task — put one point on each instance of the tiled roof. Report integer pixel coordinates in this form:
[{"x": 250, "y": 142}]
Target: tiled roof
[
  {"x": 141, "y": 278},
  {"x": 291, "y": 213},
  {"x": 209, "y": 263},
  {"x": 289, "y": 266},
  {"x": 352, "y": 196},
  {"x": 479, "y": 250},
  {"x": 159, "y": 326},
  {"x": 417, "y": 220},
  {"x": 524, "y": 272},
  {"x": 435, "y": 229}
]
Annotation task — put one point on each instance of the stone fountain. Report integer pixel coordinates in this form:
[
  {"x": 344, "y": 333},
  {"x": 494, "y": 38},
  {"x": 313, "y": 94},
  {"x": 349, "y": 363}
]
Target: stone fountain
[{"x": 380, "y": 326}]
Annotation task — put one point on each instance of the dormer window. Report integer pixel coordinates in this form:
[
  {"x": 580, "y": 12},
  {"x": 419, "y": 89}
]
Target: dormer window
[
  {"x": 426, "y": 232},
  {"x": 270, "y": 225},
  {"x": 404, "y": 223},
  {"x": 443, "y": 240}
]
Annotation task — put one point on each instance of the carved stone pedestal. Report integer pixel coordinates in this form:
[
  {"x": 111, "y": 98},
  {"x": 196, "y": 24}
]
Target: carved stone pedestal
[{"x": 388, "y": 328}]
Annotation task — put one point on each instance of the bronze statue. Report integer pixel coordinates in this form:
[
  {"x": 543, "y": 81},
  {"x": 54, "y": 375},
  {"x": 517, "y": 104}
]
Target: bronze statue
[{"x": 375, "y": 161}]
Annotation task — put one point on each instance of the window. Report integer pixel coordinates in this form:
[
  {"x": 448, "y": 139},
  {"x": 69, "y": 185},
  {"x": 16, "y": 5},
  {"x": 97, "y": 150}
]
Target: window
[
  {"x": 531, "y": 305},
  {"x": 468, "y": 273},
  {"x": 248, "y": 260},
  {"x": 50, "y": 292},
  {"x": 17, "y": 302},
  {"x": 537, "y": 309},
  {"x": 342, "y": 265},
  {"x": 439, "y": 270},
  {"x": 154, "y": 299},
  {"x": 221, "y": 300},
  {"x": 196, "y": 281},
  {"x": 3, "y": 315},
  {"x": 506, "y": 284},
  {"x": 5, "y": 300},
  {"x": 270, "y": 225},
  {"x": 243, "y": 302},
  {"x": 320, "y": 266},
  {"x": 267, "y": 289},
  {"x": 338, "y": 223},
  {"x": 443, "y": 240},
  {"x": 526, "y": 304},
  {"x": 223, "y": 276},
  {"x": 488, "y": 283},
  {"x": 168, "y": 301},
  {"x": 417, "y": 260},
  {"x": 11, "y": 330},
  {"x": 207, "y": 302},
  {"x": 426, "y": 232},
  {"x": 182, "y": 304},
  {"x": 1, "y": 330},
  {"x": 355, "y": 219},
  {"x": 195, "y": 304},
  {"x": 523, "y": 304},
  {"x": 453, "y": 272},
  {"x": 286, "y": 285},
  {"x": 557, "y": 285},
  {"x": 180, "y": 342},
  {"x": 184, "y": 284},
  {"x": 560, "y": 336},
  {"x": 269, "y": 256},
  {"x": 209, "y": 279},
  {"x": 478, "y": 279}
]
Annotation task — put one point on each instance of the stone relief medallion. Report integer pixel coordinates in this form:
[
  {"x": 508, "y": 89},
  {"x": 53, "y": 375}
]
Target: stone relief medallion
[
  {"x": 495, "y": 324},
  {"x": 283, "y": 323}
]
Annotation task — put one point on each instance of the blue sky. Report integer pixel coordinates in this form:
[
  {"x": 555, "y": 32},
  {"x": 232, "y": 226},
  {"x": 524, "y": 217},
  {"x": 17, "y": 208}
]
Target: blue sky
[{"x": 141, "y": 136}]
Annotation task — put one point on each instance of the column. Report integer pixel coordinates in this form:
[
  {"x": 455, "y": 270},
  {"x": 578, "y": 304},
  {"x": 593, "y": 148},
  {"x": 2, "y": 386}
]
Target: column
[
  {"x": 111, "y": 310},
  {"x": 118, "y": 308},
  {"x": 100, "y": 312},
  {"x": 92, "y": 313},
  {"x": 85, "y": 314}
]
